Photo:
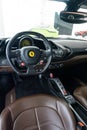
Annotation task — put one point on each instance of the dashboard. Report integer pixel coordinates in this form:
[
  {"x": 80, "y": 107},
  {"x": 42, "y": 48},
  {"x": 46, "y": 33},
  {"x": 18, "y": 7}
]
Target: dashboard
[
  {"x": 77, "y": 48},
  {"x": 64, "y": 51}
]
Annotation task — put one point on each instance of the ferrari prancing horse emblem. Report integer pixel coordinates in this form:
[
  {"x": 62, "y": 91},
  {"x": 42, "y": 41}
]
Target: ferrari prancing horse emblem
[{"x": 31, "y": 54}]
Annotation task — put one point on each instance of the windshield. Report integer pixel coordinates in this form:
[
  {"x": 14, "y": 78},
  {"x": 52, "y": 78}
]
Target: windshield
[{"x": 36, "y": 15}]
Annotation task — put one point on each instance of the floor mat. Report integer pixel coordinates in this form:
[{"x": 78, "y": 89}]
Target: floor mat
[
  {"x": 2, "y": 101},
  {"x": 31, "y": 86}
]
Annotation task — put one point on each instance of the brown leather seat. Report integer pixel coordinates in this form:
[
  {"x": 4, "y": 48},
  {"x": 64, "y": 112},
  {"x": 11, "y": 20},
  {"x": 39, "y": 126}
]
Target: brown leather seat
[
  {"x": 80, "y": 94},
  {"x": 10, "y": 97},
  {"x": 39, "y": 112}
]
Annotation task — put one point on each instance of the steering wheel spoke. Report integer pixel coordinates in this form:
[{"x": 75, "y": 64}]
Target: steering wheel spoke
[
  {"x": 15, "y": 53},
  {"x": 30, "y": 70}
]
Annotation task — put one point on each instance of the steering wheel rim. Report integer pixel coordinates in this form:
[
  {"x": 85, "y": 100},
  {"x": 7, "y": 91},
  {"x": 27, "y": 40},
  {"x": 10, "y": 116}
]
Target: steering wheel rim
[{"x": 47, "y": 53}]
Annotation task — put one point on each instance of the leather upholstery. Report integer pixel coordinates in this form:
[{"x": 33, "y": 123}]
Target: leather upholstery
[
  {"x": 10, "y": 97},
  {"x": 39, "y": 112},
  {"x": 81, "y": 95}
]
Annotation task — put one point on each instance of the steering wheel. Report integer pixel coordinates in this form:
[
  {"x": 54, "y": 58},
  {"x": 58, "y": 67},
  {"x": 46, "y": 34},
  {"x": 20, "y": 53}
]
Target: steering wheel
[{"x": 34, "y": 59}]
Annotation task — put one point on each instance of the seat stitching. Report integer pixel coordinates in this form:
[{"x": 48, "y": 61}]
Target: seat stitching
[
  {"x": 36, "y": 115},
  {"x": 11, "y": 113},
  {"x": 57, "y": 106},
  {"x": 51, "y": 123},
  {"x": 44, "y": 125}
]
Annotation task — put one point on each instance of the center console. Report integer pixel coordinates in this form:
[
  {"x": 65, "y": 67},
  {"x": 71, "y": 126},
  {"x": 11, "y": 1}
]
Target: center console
[{"x": 79, "y": 111}]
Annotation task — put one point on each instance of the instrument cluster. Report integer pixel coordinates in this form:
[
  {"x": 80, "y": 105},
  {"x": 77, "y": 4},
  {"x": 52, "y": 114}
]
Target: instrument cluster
[{"x": 26, "y": 41}]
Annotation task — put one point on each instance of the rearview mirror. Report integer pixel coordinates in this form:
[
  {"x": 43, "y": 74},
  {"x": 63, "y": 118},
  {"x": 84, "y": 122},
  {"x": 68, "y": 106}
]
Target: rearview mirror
[{"x": 73, "y": 17}]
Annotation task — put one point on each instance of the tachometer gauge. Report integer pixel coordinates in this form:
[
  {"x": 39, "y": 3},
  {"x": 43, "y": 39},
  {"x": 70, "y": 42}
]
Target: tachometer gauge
[{"x": 26, "y": 41}]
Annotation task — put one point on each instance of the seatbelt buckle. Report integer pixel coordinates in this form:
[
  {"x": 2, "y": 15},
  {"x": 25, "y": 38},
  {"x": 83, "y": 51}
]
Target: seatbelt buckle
[{"x": 81, "y": 126}]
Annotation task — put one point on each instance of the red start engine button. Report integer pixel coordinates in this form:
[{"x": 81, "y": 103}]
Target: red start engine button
[{"x": 22, "y": 64}]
